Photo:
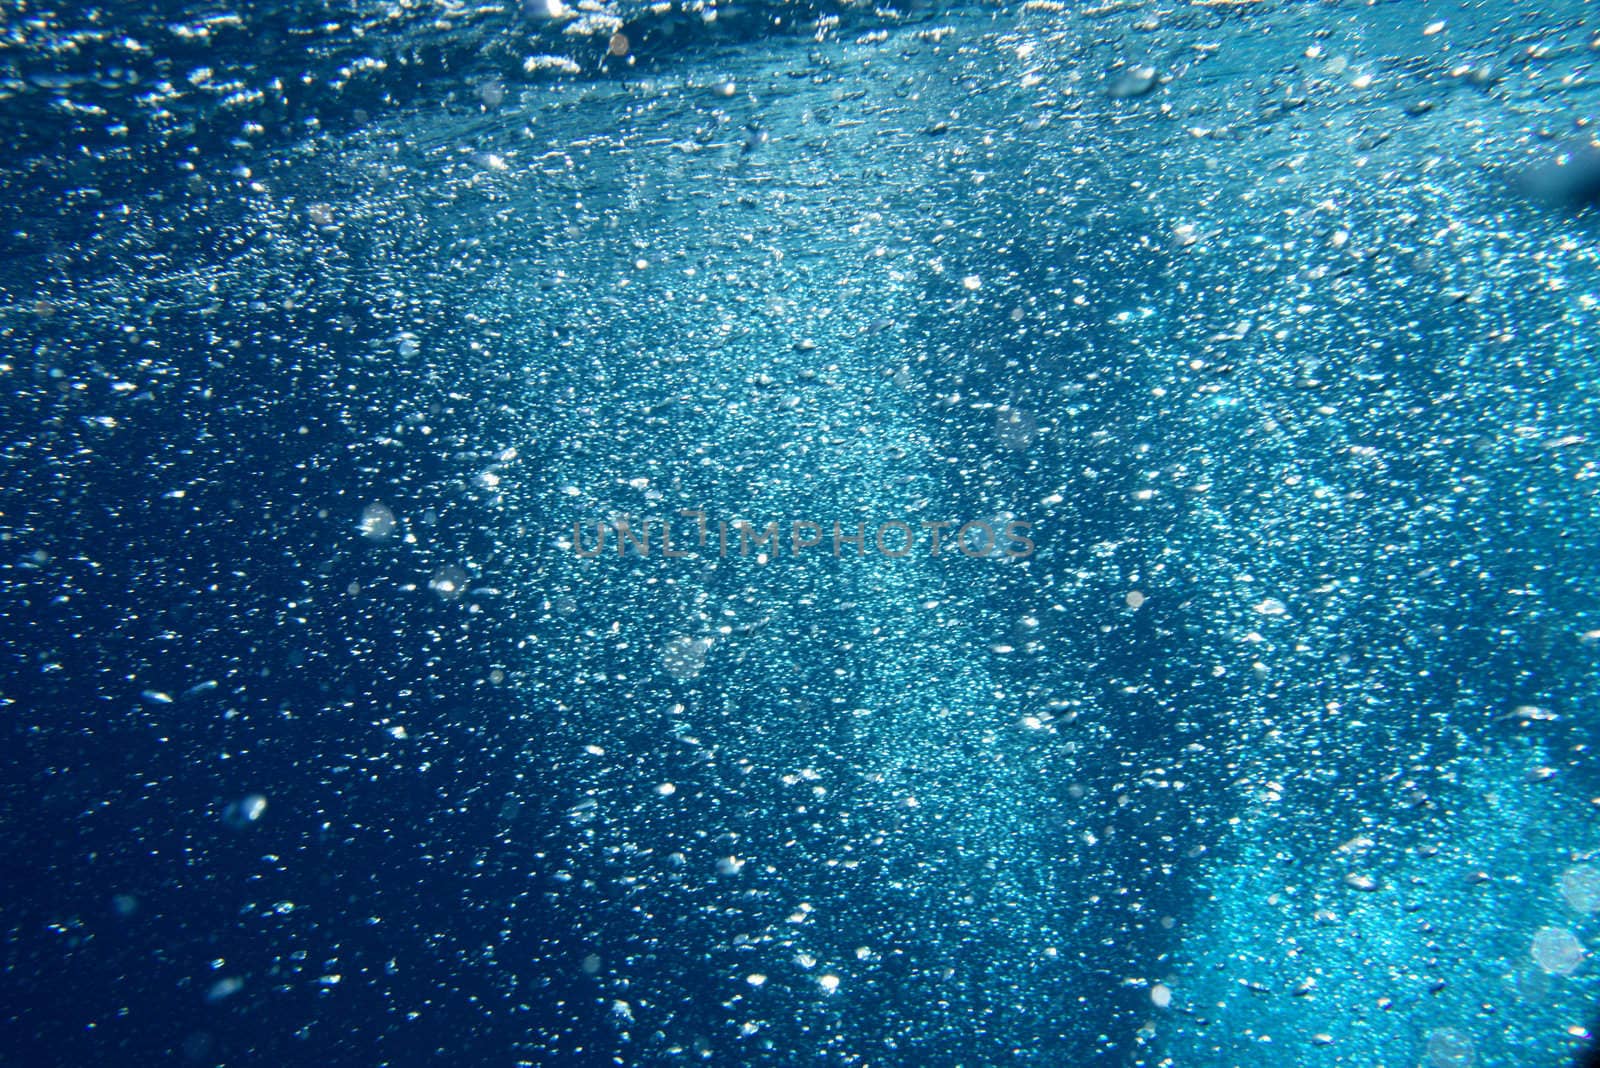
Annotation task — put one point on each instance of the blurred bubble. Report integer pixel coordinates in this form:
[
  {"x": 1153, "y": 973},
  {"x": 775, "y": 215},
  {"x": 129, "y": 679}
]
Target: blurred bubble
[
  {"x": 1557, "y": 950},
  {"x": 1580, "y": 886},
  {"x": 223, "y": 989},
  {"x": 244, "y": 812},
  {"x": 377, "y": 522},
  {"x": 1016, "y": 429},
  {"x": 1132, "y": 82},
  {"x": 1449, "y": 1049},
  {"x": 684, "y": 657},
  {"x": 449, "y": 582},
  {"x": 197, "y": 1047}
]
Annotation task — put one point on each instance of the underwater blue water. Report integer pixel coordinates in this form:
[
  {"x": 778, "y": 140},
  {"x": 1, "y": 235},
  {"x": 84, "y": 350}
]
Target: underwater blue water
[{"x": 1238, "y": 353}]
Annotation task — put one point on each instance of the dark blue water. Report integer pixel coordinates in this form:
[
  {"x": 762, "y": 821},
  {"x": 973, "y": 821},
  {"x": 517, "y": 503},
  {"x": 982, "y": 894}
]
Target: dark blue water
[{"x": 327, "y": 330}]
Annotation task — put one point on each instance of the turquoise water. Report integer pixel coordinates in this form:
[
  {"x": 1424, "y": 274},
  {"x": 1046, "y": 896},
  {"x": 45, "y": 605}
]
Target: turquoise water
[{"x": 1237, "y": 354}]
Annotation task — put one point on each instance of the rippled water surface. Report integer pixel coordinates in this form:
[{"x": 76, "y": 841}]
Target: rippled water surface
[{"x": 1109, "y": 560}]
